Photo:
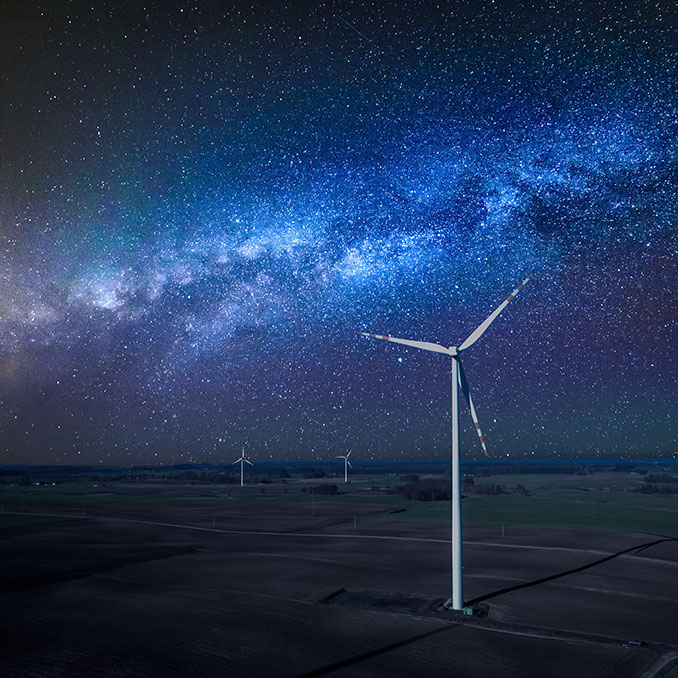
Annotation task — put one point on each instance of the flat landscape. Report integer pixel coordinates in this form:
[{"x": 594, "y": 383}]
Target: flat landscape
[{"x": 177, "y": 578}]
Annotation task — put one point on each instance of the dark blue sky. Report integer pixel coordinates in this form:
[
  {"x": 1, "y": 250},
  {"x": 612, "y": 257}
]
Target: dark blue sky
[{"x": 202, "y": 203}]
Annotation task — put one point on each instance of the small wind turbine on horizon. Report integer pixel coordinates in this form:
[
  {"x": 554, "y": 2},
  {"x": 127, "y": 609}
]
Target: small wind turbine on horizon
[
  {"x": 347, "y": 463},
  {"x": 456, "y": 600},
  {"x": 243, "y": 460}
]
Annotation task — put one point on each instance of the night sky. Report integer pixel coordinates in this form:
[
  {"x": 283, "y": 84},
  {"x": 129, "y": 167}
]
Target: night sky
[{"x": 203, "y": 203}]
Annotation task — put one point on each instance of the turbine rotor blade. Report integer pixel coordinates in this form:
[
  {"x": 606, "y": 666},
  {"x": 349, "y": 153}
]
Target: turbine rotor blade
[
  {"x": 247, "y": 461},
  {"x": 424, "y": 345},
  {"x": 467, "y": 394},
  {"x": 480, "y": 330},
  {"x": 236, "y": 461},
  {"x": 349, "y": 463}
]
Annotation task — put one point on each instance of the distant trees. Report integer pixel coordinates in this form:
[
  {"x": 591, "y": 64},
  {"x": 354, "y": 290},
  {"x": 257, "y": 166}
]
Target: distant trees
[
  {"x": 656, "y": 489},
  {"x": 313, "y": 473},
  {"x": 660, "y": 478},
  {"x": 439, "y": 489},
  {"x": 409, "y": 478},
  {"x": 11, "y": 473},
  {"x": 496, "y": 468},
  {"x": 188, "y": 475},
  {"x": 212, "y": 477},
  {"x": 521, "y": 489},
  {"x": 488, "y": 489},
  {"x": 426, "y": 490},
  {"x": 325, "y": 488}
]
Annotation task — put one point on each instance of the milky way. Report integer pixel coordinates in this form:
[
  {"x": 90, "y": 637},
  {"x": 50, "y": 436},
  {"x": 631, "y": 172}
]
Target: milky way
[{"x": 203, "y": 203}]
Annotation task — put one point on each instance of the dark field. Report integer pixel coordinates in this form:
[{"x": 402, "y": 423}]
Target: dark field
[{"x": 138, "y": 582}]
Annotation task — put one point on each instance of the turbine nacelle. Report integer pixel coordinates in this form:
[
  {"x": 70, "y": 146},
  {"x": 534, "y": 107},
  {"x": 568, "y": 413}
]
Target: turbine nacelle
[
  {"x": 345, "y": 457},
  {"x": 455, "y": 351},
  {"x": 242, "y": 459}
]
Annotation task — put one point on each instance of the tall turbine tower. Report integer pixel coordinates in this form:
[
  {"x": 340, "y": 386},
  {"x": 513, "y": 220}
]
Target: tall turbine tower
[
  {"x": 458, "y": 379},
  {"x": 347, "y": 463},
  {"x": 243, "y": 460}
]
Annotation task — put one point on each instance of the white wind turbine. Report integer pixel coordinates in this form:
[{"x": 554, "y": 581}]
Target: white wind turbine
[
  {"x": 458, "y": 379},
  {"x": 242, "y": 460},
  {"x": 347, "y": 463}
]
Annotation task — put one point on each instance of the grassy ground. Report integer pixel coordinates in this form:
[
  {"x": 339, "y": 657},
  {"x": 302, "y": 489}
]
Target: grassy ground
[
  {"x": 7, "y": 520},
  {"x": 561, "y": 481},
  {"x": 588, "y": 502},
  {"x": 538, "y": 511},
  {"x": 616, "y": 511},
  {"x": 80, "y": 494}
]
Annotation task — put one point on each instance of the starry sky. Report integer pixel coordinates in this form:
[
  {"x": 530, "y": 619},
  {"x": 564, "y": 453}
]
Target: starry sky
[{"x": 203, "y": 202}]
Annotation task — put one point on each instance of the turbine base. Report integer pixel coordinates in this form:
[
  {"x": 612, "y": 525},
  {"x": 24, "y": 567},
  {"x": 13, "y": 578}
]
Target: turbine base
[{"x": 469, "y": 610}]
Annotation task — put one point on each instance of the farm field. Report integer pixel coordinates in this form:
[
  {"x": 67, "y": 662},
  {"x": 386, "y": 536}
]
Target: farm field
[
  {"x": 561, "y": 501},
  {"x": 211, "y": 580}
]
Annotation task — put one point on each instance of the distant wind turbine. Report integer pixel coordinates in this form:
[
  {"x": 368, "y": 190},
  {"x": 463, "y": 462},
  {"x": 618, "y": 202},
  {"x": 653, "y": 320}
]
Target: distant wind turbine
[
  {"x": 458, "y": 379},
  {"x": 347, "y": 463},
  {"x": 242, "y": 460}
]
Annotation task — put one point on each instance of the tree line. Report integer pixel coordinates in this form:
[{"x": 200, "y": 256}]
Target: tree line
[{"x": 440, "y": 490}]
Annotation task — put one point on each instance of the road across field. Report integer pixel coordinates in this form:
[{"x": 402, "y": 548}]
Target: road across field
[
  {"x": 125, "y": 595},
  {"x": 329, "y": 535}
]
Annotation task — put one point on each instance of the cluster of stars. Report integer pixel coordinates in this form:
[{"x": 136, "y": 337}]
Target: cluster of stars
[{"x": 202, "y": 205}]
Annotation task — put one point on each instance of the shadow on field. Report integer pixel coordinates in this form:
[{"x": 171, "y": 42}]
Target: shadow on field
[
  {"x": 373, "y": 653},
  {"x": 543, "y": 580},
  {"x": 95, "y": 568}
]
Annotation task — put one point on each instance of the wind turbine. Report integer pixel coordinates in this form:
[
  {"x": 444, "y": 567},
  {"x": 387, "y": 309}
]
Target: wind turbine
[
  {"x": 458, "y": 379},
  {"x": 347, "y": 463},
  {"x": 243, "y": 460}
]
